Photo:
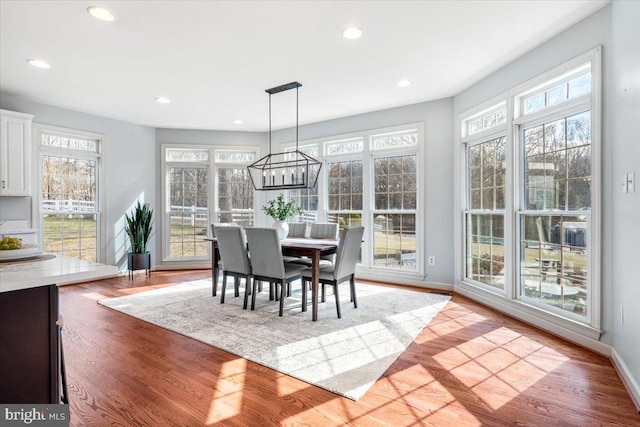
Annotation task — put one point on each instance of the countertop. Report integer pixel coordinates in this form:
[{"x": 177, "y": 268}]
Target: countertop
[{"x": 60, "y": 270}]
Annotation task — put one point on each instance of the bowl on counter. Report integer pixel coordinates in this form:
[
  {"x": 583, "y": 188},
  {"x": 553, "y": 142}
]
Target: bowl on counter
[{"x": 19, "y": 244}]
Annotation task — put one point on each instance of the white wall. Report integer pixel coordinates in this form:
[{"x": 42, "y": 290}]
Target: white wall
[
  {"x": 438, "y": 203},
  {"x": 129, "y": 166},
  {"x": 624, "y": 96}
]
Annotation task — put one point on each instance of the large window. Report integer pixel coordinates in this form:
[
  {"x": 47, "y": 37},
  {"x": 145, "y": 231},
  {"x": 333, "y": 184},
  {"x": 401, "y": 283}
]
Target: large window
[
  {"x": 536, "y": 225},
  {"x": 203, "y": 186},
  {"x": 371, "y": 178},
  {"x": 188, "y": 209},
  {"x": 556, "y": 207},
  {"x": 484, "y": 216},
  {"x": 69, "y": 202}
]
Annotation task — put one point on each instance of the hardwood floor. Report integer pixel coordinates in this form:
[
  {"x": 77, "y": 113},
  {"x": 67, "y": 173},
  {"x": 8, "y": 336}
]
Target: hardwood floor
[{"x": 470, "y": 366}]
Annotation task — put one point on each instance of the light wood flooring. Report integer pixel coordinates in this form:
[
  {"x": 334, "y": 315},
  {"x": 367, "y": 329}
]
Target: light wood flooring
[{"x": 471, "y": 366}]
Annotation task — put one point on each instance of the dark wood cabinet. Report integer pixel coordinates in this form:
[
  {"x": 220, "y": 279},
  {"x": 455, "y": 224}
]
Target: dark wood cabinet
[{"x": 29, "y": 346}]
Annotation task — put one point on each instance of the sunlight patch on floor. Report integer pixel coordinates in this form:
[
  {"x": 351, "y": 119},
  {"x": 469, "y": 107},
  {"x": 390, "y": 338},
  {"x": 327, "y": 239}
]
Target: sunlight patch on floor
[
  {"x": 228, "y": 393},
  {"x": 500, "y": 364}
]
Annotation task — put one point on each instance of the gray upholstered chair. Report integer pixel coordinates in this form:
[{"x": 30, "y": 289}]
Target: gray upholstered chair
[
  {"x": 320, "y": 230},
  {"x": 324, "y": 230},
  {"x": 267, "y": 263},
  {"x": 213, "y": 235},
  {"x": 297, "y": 229},
  {"x": 343, "y": 269},
  {"x": 221, "y": 224},
  {"x": 232, "y": 245}
]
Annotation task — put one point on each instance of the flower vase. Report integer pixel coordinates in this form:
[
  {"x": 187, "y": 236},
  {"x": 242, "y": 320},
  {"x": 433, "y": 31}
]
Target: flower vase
[{"x": 282, "y": 228}]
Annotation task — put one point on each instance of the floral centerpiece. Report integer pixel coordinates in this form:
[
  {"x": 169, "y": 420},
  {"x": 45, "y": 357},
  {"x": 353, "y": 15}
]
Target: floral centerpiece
[{"x": 281, "y": 211}]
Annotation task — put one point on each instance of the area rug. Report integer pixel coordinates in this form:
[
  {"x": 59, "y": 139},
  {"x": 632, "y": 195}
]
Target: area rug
[{"x": 345, "y": 356}]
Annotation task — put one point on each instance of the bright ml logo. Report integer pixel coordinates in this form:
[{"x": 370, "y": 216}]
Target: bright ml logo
[{"x": 36, "y": 415}]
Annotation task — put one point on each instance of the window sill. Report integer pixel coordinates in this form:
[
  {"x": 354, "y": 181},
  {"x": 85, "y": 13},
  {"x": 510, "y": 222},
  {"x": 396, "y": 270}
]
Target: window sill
[{"x": 572, "y": 330}]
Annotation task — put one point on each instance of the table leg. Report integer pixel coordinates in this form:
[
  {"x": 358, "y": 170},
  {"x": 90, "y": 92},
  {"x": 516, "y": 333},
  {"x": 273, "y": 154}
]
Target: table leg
[{"x": 315, "y": 273}]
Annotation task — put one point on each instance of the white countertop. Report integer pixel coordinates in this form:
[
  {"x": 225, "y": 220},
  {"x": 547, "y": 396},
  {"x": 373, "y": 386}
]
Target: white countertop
[{"x": 60, "y": 270}]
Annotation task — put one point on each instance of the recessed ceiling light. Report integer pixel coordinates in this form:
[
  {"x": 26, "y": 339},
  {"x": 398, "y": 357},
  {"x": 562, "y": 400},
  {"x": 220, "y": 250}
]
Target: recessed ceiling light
[
  {"x": 163, "y": 100},
  {"x": 101, "y": 13},
  {"x": 352, "y": 32},
  {"x": 237, "y": 122},
  {"x": 404, "y": 83},
  {"x": 38, "y": 63}
]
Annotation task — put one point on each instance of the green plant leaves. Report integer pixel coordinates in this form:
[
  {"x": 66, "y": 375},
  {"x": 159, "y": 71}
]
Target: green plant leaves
[{"x": 139, "y": 226}]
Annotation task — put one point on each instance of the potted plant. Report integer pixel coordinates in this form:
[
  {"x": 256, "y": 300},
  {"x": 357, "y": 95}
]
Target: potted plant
[
  {"x": 138, "y": 227},
  {"x": 281, "y": 211}
]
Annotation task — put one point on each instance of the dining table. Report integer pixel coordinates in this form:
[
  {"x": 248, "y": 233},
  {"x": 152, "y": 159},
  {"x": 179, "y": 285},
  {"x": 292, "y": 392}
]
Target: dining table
[{"x": 314, "y": 249}]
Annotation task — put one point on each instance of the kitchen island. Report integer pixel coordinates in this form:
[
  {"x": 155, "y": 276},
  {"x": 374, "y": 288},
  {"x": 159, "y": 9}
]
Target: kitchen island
[
  {"x": 59, "y": 270},
  {"x": 31, "y": 363}
]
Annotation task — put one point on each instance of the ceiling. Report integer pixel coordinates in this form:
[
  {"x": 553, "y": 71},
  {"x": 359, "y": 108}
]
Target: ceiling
[{"x": 214, "y": 59}]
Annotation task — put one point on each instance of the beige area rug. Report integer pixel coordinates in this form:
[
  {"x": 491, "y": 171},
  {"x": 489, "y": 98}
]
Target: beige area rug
[{"x": 345, "y": 356}]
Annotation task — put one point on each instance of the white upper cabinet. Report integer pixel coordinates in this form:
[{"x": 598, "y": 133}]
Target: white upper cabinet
[{"x": 15, "y": 153}]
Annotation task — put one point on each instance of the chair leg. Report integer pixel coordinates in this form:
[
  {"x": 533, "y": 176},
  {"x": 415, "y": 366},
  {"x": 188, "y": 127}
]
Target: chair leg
[
  {"x": 304, "y": 295},
  {"x": 272, "y": 295},
  {"x": 322, "y": 296},
  {"x": 253, "y": 295},
  {"x": 236, "y": 286},
  {"x": 352, "y": 283},
  {"x": 335, "y": 293},
  {"x": 247, "y": 291},
  {"x": 224, "y": 287},
  {"x": 283, "y": 286}
]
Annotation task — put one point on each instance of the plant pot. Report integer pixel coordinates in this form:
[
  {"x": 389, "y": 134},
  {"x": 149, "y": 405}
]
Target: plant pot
[
  {"x": 139, "y": 261},
  {"x": 282, "y": 228}
]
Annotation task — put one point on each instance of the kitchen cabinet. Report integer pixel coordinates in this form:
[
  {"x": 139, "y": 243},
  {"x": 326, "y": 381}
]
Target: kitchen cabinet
[
  {"x": 15, "y": 153},
  {"x": 30, "y": 364}
]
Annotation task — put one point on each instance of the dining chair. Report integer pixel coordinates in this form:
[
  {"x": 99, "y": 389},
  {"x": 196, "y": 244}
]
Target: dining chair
[
  {"x": 213, "y": 235},
  {"x": 320, "y": 230},
  {"x": 232, "y": 245},
  {"x": 343, "y": 269},
  {"x": 268, "y": 265},
  {"x": 297, "y": 229}
]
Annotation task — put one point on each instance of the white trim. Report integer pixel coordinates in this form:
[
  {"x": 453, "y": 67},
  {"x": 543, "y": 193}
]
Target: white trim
[
  {"x": 628, "y": 380},
  {"x": 573, "y": 331}
]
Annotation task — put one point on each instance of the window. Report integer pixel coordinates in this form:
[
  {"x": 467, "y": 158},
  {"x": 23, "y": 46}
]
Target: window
[
  {"x": 307, "y": 198},
  {"x": 204, "y": 185},
  {"x": 188, "y": 209},
  {"x": 549, "y": 204},
  {"x": 554, "y": 221},
  {"x": 371, "y": 178},
  {"x": 484, "y": 216},
  {"x": 69, "y": 198}
]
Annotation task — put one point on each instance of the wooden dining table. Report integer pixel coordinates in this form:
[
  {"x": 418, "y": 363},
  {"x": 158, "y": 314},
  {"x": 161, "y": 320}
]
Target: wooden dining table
[{"x": 315, "y": 249}]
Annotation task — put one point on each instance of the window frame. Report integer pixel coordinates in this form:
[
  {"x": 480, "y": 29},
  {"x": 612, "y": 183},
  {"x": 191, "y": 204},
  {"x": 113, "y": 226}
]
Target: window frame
[
  {"x": 212, "y": 193},
  {"x": 39, "y": 130},
  {"x": 587, "y": 326},
  {"x": 367, "y": 156}
]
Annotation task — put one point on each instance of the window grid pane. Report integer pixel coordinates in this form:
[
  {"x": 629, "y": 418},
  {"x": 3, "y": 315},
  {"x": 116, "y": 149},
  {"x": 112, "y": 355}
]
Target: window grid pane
[
  {"x": 235, "y": 196},
  {"x": 345, "y": 185},
  {"x": 188, "y": 212},
  {"x": 394, "y": 241},
  {"x": 558, "y": 164},
  {"x": 553, "y": 260},
  {"x": 485, "y": 249},
  {"x": 72, "y": 235}
]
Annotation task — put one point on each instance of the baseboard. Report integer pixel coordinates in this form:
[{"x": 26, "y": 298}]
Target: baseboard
[{"x": 627, "y": 378}]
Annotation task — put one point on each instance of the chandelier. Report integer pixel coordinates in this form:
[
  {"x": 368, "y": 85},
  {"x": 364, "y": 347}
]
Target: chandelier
[{"x": 288, "y": 170}]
